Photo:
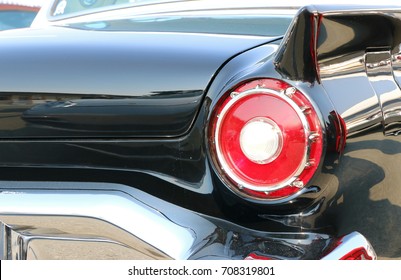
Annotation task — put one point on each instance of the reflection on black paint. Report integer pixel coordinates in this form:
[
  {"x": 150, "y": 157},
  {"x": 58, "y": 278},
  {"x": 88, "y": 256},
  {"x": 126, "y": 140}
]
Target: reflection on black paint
[{"x": 80, "y": 116}]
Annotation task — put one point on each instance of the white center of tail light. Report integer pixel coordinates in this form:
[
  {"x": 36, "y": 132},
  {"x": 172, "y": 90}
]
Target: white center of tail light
[
  {"x": 266, "y": 139},
  {"x": 261, "y": 140}
]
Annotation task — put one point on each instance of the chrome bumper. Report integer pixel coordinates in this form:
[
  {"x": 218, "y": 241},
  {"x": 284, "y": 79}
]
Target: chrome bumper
[
  {"x": 45, "y": 220},
  {"x": 353, "y": 246}
]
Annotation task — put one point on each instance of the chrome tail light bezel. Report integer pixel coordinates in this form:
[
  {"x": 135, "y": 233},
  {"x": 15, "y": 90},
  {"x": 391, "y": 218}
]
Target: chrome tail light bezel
[{"x": 313, "y": 132}]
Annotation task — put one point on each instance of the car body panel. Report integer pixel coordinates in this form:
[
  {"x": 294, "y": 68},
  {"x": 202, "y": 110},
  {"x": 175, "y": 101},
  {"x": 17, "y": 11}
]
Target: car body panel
[{"x": 87, "y": 106}]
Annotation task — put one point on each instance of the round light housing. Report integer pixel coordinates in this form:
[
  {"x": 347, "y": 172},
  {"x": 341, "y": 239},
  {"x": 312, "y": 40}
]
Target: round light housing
[{"x": 266, "y": 139}]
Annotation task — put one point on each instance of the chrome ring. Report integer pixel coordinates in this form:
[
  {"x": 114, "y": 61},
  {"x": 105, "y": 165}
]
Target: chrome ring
[{"x": 224, "y": 164}]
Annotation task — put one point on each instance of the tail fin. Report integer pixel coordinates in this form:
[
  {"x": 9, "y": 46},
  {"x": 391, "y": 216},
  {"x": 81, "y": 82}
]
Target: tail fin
[{"x": 320, "y": 35}]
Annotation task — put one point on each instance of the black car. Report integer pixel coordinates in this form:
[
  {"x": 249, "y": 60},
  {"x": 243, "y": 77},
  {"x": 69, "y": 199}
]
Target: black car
[{"x": 202, "y": 130}]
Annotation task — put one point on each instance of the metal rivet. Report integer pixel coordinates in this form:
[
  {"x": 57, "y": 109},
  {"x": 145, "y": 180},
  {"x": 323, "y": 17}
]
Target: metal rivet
[
  {"x": 234, "y": 94},
  {"x": 297, "y": 184},
  {"x": 289, "y": 92},
  {"x": 309, "y": 164},
  {"x": 305, "y": 110},
  {"x": 313, "y": 136}
]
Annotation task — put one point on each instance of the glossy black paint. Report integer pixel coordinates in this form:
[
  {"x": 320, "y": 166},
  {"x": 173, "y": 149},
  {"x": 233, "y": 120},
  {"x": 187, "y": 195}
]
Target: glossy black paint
[
  {"x": 81, "y": 84},
  {"x": 156, "y": 166}
]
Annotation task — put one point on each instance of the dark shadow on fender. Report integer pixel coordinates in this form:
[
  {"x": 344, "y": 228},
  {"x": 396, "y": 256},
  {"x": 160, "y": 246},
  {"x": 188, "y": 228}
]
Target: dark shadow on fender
[{"x": 369, "y": 197}]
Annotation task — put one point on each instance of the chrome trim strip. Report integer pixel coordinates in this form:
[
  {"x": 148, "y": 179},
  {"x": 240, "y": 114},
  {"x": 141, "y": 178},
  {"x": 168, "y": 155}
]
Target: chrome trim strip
[
  {"x": 3, "y": 242},
  {"x": 41, "y": 213},
  {"x": 396, "y": 64},
  {"x": 111, "y": 212},
  {"x": 344, "y": 78},
  {"x": 55, "y": 220},
  {"x": 379, "y": 69}
]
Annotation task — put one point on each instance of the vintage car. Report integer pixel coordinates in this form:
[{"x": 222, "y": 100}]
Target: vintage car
[
  {"x": 18, "y": 13},
  {"x": 201, "y": 130}
]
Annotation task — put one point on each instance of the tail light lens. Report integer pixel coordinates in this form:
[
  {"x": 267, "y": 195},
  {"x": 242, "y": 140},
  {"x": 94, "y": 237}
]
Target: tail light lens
[
  {"x": 358, "y": 254},
  {"x": 266, "y": 139}
]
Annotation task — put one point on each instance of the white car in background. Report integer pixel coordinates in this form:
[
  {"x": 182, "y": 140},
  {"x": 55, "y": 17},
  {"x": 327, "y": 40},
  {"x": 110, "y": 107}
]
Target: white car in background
[
  {"x": 61, "y": 12},
  {"x": 18, "y": 13}
]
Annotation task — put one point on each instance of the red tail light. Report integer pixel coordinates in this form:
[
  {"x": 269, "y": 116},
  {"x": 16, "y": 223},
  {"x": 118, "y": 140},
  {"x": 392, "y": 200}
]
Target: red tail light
[{"x": 266, "y": 139}]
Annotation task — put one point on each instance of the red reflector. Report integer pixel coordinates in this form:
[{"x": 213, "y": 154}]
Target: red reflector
[
  {"x": 257, "y": 257},
  {"x": 357, "y": 254},
  {"x": 266, "y": 139}
]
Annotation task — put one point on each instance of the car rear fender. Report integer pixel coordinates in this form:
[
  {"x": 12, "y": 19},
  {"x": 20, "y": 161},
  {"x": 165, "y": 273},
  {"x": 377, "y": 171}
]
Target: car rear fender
[{"x": 354, "y": 52}]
